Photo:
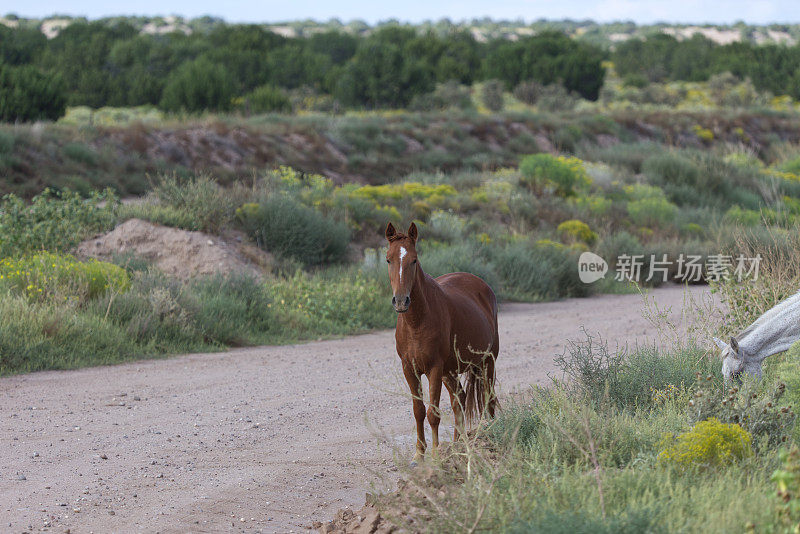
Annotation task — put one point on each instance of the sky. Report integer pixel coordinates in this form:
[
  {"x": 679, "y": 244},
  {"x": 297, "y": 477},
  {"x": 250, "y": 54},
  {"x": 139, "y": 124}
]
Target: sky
[{"x": 371, "y": 11}]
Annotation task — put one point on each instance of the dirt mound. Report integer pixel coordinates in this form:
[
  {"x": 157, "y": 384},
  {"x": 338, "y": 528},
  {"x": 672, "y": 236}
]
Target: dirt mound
[{"x": 177, "y": 252}]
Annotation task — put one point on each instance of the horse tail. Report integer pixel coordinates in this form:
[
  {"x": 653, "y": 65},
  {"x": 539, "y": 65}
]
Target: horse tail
[
  {"x": 475, "y": 389},
  {"x": 480, "y": 389}
]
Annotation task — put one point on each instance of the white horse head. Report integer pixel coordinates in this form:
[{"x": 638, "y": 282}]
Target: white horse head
[
  {"x": 732, "y": 360},
  {"x": 775, "y": 331}
]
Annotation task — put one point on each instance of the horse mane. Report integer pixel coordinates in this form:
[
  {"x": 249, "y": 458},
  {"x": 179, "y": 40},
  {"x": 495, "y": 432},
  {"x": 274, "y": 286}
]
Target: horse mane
[{"x": 397, "y": 237}]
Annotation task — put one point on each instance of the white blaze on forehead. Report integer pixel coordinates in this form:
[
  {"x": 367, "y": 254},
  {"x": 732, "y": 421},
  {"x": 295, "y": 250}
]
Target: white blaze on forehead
[{"x": 403, "y": 253}]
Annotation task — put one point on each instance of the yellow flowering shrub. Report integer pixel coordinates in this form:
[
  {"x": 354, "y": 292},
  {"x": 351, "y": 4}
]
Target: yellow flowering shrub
[
  {"x": 709, "y": 443},
  {"x": 433, "y": 194},
  {"x": 47, "y": 276},
  {"x": 781, "y": 175},
  {"x": 575, "y": 230},
  {"x": 704, "y": 134},
  {"x": 567, "y": 173},
  {"x": 594, "y": 204}
]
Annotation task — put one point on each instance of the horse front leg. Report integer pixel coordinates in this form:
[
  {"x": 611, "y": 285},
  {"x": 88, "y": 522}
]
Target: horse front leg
[
  {"x": 412, "y": 377},
  {"x": 434, "y": 414}
]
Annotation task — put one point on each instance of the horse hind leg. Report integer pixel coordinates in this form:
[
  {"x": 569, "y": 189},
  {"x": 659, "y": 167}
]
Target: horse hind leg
[
  {"x": 458, "y": 397},
  {"x": 492, "y": 403}
]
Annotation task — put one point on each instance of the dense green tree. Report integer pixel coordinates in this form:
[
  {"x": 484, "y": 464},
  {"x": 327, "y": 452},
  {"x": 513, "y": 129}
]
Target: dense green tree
[
  {"x": 27, "y": 95},
  {"x": 382, "y": 75},
  {"x": 20, "y": 46},
  {"x": 198, "y": 85},
  {"x": 80, "y": 55},
  {"x": 338, "y": 46},
  {"x": 547, "y": 58}
]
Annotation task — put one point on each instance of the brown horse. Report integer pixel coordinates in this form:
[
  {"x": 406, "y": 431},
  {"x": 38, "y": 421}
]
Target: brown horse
[{"x": 445, "y": 327}]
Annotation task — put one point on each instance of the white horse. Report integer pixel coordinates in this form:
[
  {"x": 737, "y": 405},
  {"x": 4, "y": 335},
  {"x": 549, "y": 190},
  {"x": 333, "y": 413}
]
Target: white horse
[{"x": 775, "y": 331}]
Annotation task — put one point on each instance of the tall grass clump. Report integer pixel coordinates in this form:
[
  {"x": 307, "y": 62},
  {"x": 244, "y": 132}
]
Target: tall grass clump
[
  {"x": 284, "y": 226},
  {"x": 437, "y": 260},
  {"x": 629, "y": 377},
  {"x": 543, "y": 271},
  {"x": 336, "y": 301},
  {"x": 199, "y": 203}
]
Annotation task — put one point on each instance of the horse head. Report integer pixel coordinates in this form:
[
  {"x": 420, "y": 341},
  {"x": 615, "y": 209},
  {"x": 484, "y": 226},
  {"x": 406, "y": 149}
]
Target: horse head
[
  {"x": 732, "y": 358},
  {"x": 402, "y": 260}
]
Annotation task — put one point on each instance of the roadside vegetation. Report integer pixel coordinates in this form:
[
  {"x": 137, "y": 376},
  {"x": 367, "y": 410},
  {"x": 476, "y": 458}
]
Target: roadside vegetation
[
  {"x": 632, "y": 439},
  {"x": 520, "y": 228}
]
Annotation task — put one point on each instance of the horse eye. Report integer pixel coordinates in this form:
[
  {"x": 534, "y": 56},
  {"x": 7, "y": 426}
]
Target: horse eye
[
  {"x": 388, "y": 261},
  {"x": 415, "y": 261}
]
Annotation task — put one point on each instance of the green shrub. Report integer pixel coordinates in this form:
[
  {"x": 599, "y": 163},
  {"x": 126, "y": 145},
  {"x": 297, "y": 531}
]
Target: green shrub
[
  {"x": 200, "y": 200},
  {"x": 53, "y": 221},
  {"x": 628, "y": 379},
  {"x": 446, "y": 226},
  {"x": 38, "y": 336},
  {"x": 652, "y": 212},
  {"x": 462, "y": 257},
  {"x": 492, "y": 95},
  {"x": 80, "y": 153},
  {"x": 566, "y": 173},
  {"x": 528, "y": 91},
  {"x": 446, "y": 95},
  {"x": 572, "y": 522},
  {"x": 612, "y": 246},
  {"x": 159, "y": 214},
  {"x": 234, "y": 309},
  {"x": 286, "y": 227},
  {"x": 792, "y": 166},
  {"x": 709, "y": 443},
  {"x": 555, "y": 97},
  {"x": 334, "y": 302},
  {"x": 671, "y": 169},
  {"x": 7, "y": 142},
  {"x": 787, "y": 480},
  {"x": 736, "y": 214},
  {"x": 266, "y": 99},
  {"x": 544, "y": 271},
  {"x": 574, "y": 230},
  {"x": 787, "y": 369},
  {"x": 47, "y": 276},
  {"x": 630, "y": 156},
  {"x": 594, "y": 205},
  {"x": 762, "y": 413}
]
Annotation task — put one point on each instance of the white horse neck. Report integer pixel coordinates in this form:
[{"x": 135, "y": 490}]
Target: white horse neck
[{"x": 773, "y": 332}]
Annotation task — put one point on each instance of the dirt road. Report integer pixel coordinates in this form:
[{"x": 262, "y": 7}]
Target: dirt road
[{"x": 261, "y": 439}]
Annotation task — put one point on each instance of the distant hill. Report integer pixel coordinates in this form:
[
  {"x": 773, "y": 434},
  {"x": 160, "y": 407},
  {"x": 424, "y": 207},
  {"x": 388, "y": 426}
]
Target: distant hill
[{"x": 603, "y": 35}]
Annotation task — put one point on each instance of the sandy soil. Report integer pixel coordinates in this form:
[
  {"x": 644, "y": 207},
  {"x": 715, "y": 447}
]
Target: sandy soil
[{"x": 261, "y": 439}]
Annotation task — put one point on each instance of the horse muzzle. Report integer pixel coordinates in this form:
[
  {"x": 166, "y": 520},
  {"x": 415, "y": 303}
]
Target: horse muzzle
[{"x": 401, "y": 304}]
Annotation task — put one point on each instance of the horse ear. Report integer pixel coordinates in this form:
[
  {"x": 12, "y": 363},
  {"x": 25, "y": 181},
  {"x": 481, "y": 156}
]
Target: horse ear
[
  {"x": 390, "y": 232},
  {"x": 721, "y": 344},
  {"x": 412, "y": 232},
  {"x": 734, "y": 345}
]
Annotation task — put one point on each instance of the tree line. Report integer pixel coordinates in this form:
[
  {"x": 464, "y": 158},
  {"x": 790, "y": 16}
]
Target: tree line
[
  {"x": 771, "y": 67},
  {"x": 100, "y": 64}
]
